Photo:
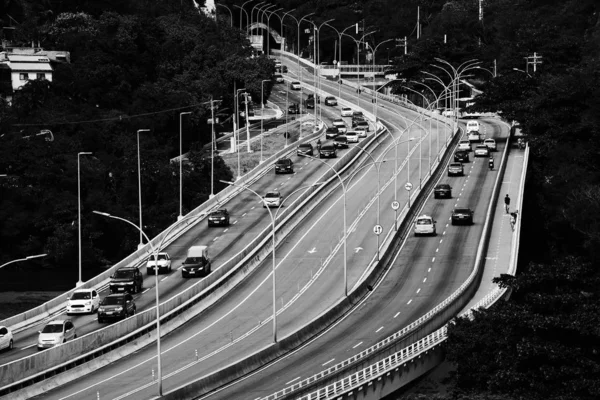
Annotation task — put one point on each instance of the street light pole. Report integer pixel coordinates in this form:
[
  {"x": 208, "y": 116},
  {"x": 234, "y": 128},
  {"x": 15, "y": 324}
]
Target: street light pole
[
  {"x": 80, "y": 281},
  {"x": 236, "y": 134},
  {"x": 340, "y": 55},
  {"x": 180, "y": 163},
  {"x": 262, "y": 115},
  {"x": 140, "y": 183},
  {"x": 250, "y": 28},
  {"x": 23, "y": 259}
]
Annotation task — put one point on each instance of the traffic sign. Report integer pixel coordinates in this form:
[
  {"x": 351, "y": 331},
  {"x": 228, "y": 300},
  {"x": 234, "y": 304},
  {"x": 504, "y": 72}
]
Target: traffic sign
[
  {"x": 377, "y": 229},
  {"x": 395, "y": 205},
  {"x": 408, "y": 186}
]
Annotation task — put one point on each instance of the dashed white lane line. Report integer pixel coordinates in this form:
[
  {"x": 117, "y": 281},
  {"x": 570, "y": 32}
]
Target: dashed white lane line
[
  {"x": 418, "y": 290},
  {"x": 292, "y": 381},
  {"x": 410, "y": 301},
  {"x": 328, "y": 362},
  {"x": 215, "y": 239},
  {"x": 147, "y": 289},
  {"x": 429, "y": 270},
  {"x": 441, "y": 240},
  {"x": 356, "y": 345},
  {"x": 27, "y": 347},
  {"x": 235, "y": 222},
  {"x": 438, "y": 249},
  {"x": 225, "y": 230},
  {"x": 377, "y": 331},
  {"x": 424, "y": 280},
  {"x": 398, "y": 313},
  {"x": 166, "y": 277},
  {"x": 433, "y": 259},
  {"x": 244, "y": 214},
  {"x": 253, "y": 208}
]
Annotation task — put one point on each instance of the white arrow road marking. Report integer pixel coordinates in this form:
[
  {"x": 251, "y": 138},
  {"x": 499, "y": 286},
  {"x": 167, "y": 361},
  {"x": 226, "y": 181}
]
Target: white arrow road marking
[
  {"x": 314, "y": 249},
  {"x": 356, "y": 250}
]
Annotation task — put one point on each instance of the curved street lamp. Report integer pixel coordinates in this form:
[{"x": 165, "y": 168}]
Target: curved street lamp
[
  {"x": 250, "y": 28},
  {"x": 340, "y": 55},
  {"x": 81, "y": 153},
  {"x": 140, "y": 183},
  {"x": 281, "y": 18},
  {"x": 358, "y": 42},
  {"x": 23, "y": 259},
  {"x": 269, "y": 15}
]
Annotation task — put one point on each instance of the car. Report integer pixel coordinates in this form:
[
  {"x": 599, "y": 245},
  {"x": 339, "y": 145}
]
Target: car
[
  {"x": 456, "y": 169},
  {"x": 340, "y": 125},
  {"x": 346, "y": 112},
  {"x": 481, "y": 151},
  {"x": 284, "y": 166},
  {"x": 472, "y": 126},
  {"x": 330, "y": 101},
  {"x": 55, "y": 333},
  {"x": 309, "y": 103},
  {"x": 305, "y": 149},
  {"x": 328, "y": 151},
  {"x": 448, "y": 113},
  {"x": 331, "y": 132},
  {"x": 83, "y": 301},
  {"x": 352, "y": 136},
  {"x": 442, "y": 190},
  {"x": 218, "y": 218},
  {"x": 272, "y": 199},
  {"x": 296, "y": 85},
  {"x": 196, "y": 262},
  {"x": 462, "y": 215},
  {"x": 115, "y": 307},
  {"x": 361, "y": 130},
  {"x": 162, "y": 265},
  {"x": 474, "y": 136},
  {"x": 278, "y": 78},
  {"x": 363, "y": 124},
  {"x": 461, "y": 156},
  {"x": 490, "y": 143},
  {"x": 312, "y": 97},
  {"x": 284, "y": 69},
  {"x": 293, "y": 109},
  {"x": 425, "y": 225},
  {"x": 126, "y": 279},
  {"x": 6, "y": 338},
  {"x": 464, "y": 145},
  {"x": 340, "y": 142},
  {"x": 358, "y": 115}
]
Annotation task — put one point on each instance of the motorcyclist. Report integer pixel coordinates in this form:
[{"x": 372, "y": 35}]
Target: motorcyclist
[{"x": 318, "y": 144}]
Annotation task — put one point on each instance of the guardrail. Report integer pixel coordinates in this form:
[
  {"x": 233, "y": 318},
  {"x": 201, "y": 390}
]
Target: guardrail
[
  {"x": 299, "y": 337},
  {"x": 435, "y": 339},
  {"x": 16, "y": 374}
]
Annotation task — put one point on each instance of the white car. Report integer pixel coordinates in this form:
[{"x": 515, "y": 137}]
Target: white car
[
  {"x": 472, "y": 126},
  {"x": 6, "y": 338},
  {"x": 361, "y": 130},
  {"x": 352, "y": 136},
  {"x": 464, "y": 145},
  {"x": 272, "y": 199},
  {"x": 346, "y": 112},
  {"x": 482, "y": 151},
  {"x": 340, "y": 125},
  {"x": 83, "y": 301},
  {"x": 296, "y": 86},
  {"x": 163, "y": 263},
  {"x": 474, "y": 136},
  {"x": 490, "y": 143},
  {"x": 55, "y": 333},
  {"x": 425, "y": 225}
]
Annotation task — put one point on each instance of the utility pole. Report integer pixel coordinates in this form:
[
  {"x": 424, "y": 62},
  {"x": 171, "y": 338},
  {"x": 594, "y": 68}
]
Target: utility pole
[
  {"x": 418, "y": 22},
  {"x": 535, "y": 59},
  {"x": 402, "y": 42}
]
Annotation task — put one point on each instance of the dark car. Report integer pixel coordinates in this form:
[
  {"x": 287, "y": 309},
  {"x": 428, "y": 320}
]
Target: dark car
[
  {"x": 293, "y": 109},
  {"x": 305, "y": 149},
  {"x": 442, "y": 190},
  {"x": 309, "y": 103},
  {"x": 284, "y": 69},
  {"x": 311, "y": 96},
  {"x": 116, "y": 306},
  {"x": 358, "y": 114},
  {"x": 219, "y": 218},
  {"x": 356, "y": 120},
  {"x": 340, "y": 142},
  {"x": 362, "y": 123},
  {"x": 456, "y": 169},
  {"x": 461, "y": 156},
  {"x": 196, "y": 263},
  {"x": 462, "y": 215},
  {"x": 328, "y": 151},
  {"x": 330, "y": 101},
  {"x": 284, "y": 166},
  {"x": 126, "y": 279},
  {"x": 331, "y": 132}
]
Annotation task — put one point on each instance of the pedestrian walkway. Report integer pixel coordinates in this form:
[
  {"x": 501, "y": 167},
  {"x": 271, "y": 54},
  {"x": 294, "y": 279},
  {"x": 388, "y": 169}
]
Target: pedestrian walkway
[{"x": 497, "y": 260}]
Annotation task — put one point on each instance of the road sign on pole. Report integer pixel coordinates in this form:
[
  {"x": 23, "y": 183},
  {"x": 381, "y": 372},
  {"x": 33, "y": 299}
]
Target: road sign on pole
[
  {"x": 408, "y": 186},
  {"x": 395, "y": 205},
  {"x": 377, "y": 229}
]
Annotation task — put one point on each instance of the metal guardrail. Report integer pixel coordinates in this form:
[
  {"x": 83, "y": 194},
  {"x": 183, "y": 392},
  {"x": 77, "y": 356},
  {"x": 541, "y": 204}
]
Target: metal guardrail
[{"x": 400, "y": 358}]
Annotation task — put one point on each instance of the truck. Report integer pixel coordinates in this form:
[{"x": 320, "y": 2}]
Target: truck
[{"x": 196, "y": 262}]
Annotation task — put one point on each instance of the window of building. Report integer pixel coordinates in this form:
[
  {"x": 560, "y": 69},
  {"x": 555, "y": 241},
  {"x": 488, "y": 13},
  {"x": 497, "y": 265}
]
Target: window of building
[
  {"x": 24, "y": 76},
  {"x": 41, "y": 75}
]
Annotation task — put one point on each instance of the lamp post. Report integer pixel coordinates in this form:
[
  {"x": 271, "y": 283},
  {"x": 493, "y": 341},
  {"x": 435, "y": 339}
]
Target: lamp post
[
  {"x": 140, "y": 183},
  {"x": 358, "y": 42},
  {"x": 213, "y": 145},
  {"x": 262, "y": 116},
  {"x": 437, "y": 103},
  {"x": 262, "y": 12},
  {"x": 298, "y": 22},
  {"x": 281, "y": 18},
  {"x": 228, "y": 9},
  {"x": 375, "y": 92},
  {"x": 269, "y": 14},
  {"x": 340, "y": 55},
  {"x": 81, "y": 153},
  {"x": 317, "y": 61},
  {"x": 245, "y": 12},
  {"x": 23, "y": 259},
  {"x": 181, "y": 114},
  {"x": 520, "y": 70},
  {"x": 250, "y": 28},
  {"x": 485, "y": 69},
  {"x": 273, "y": 218},
  {"x": 429, "y": 134},
  {"x": 235, "y": 133}
]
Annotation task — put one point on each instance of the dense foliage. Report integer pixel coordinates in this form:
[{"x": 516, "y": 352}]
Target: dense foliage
[{"x": 133, "y": 66}]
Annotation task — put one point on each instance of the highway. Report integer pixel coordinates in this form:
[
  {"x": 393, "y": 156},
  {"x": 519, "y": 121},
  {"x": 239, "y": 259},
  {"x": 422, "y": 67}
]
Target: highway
[
  {"x": 224, "y": 243},
  {"x": 239, "y": 324}
]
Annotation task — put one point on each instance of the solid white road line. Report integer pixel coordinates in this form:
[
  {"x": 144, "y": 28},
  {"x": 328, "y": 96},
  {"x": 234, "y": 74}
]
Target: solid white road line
[
  {"x": 328, "y": 362},
  {"x": 356, "y": 345}
]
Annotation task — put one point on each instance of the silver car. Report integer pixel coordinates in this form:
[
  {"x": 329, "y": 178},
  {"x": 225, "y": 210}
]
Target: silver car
[
  {"x": 56, "y": 333},
  {"x": 272, "y": 199}
]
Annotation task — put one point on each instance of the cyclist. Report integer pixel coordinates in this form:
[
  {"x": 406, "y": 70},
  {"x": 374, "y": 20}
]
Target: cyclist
[{"x": 513, "y": 219}]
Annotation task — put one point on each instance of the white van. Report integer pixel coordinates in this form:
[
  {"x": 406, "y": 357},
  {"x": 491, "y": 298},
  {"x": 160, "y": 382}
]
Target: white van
[{"x": 472, "y": 126}]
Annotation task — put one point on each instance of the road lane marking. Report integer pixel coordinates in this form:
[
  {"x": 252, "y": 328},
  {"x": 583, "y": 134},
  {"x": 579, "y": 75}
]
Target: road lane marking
[
  {"x": 398, "y": 313},
  {"x": 148, "y": 288},
  {"x": 227, "y": 229},
  {"x": 215, "y": 239},
  {"x": 433, "y": 259},
  {"x": 424, "y": 280},
  {"x": 166, "y": 277},
  {"x": 244, "y": 214},
  {"x": 429, "y": 270},
  {"x": 438, "y": 249},
  {"x": 410, "y": 301},
  {"x": 441, "y": 240},
  {"x": 293, "y": 380},
  {"x": 28, "y": 347},
  {"x": 235, "y": 222},
  {"x": 418, "y": 290},
  {"x": 328, "y": 362},
  {"x": 356, "y": 345},
  {"x": 379, "y": 329}
]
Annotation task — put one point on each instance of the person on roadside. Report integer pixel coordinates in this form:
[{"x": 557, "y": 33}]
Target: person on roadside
[
  {"x": 318, "y": 144},
  {"x": 507, "y": 203}
]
